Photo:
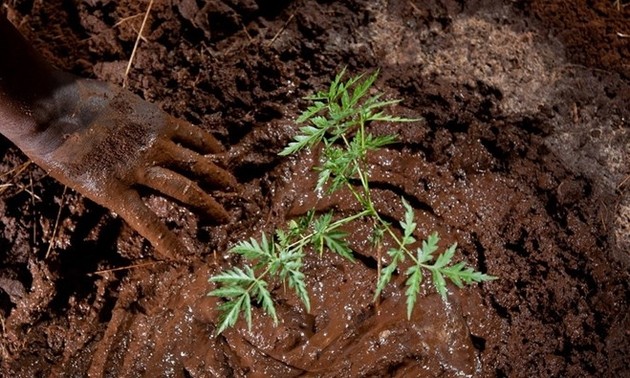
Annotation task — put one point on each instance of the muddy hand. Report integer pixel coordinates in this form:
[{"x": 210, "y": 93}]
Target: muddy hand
[
  {"x": 118, "y": 143},
  {"x": 105, "y": 142}
]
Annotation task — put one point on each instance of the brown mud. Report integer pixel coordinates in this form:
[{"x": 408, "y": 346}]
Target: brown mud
[{"x": 522, "y": 158}]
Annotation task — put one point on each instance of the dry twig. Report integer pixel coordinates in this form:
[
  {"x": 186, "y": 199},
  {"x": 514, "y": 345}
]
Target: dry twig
[
  {"x": 14, "y": 174},
  {"x": 623, "y": 182},
  {"x": 125, "y": 19},
  {"x": 280, "y": 31},
  {"x": 100, "y": 272},
  {"x": 619, "y": 5},
  {"x": 135, "y": 46},
  {"x": 54, "y": 234}
]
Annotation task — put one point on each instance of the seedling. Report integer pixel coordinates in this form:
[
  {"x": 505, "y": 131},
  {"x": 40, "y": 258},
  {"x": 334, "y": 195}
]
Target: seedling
[{"x": 337, "y": 122}]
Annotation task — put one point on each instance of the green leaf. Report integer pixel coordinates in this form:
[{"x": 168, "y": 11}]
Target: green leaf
[
  {"x": 340, "y": 167},
  {"x": 332, "y": 92},
  {"x": 352, "y": 81},
  {"x": 246, "y": 308},
  {"x": 336, "y": 243},
  {"x": 308, "y": 137},
  {"x": 345, "y": 100},
  {"x": 387, "y": 118},
  {"x": 375, "y": 143},
  {"x": 252, "y": 250},
  {"x": 229, "y": 312},
  {"x": 228, "y": 291},
  {"x": 374, "y": 104},
  {"x": 383, "y": 280},
  {"x": 387, "y": 272},
  {"x": 322, "y": 179},
  {"x": 284, "y": 238},
  {"x": 317, "y": 107},
  {"x": 428, "y": 247},
  {"x": 234, "y": 276},
  {"x": 304, "y": 222},
  {"x": 461, "y": 274},
  {"x": 264, "y": 298},
  {"x": 414, "y": 278},
  {"x": 320, "y": 228},
  {"x": 378, "y": 233},
  {"x": 297, "y": 282},
  {"x": 322, "y": 124},
  {"x": 397, "y": 254},
  {"x": 293, "y": 147},
  {"x": 439, "y": 283},
  {"x": 361, "y": 89},
  {"x": 408, "y": 225},
  {"x": 239, "y": 283},
  {"x": 446, "y": 257},
  {"x": 324, "y": 235}
]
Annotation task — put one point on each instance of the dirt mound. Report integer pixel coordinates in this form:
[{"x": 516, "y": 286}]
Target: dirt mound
[{"x": 522, "y": 159}]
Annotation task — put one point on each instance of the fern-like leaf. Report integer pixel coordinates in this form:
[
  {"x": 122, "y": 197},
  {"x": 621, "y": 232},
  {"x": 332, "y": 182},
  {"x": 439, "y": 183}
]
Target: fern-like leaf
[
  {"x": 384, "y": 278},
  {"x": 428, "y": 247},
  {"x": 408, "y": 224},
  {"x": 335, "y": 241},
  {"x": 398, "y": 256},
  {"x": 263, "y": 297},
  {"x": 377, "y": 142},
  {"x": 253, "y": 250},
  {"x": 317, "y": 107},
  {"x": 445, "y": 258},
  {"x": 439, "y": 283},
  {"x": 234, "y": 276},
  {"x": 229, "y": 312},
  {"x": 414, "y": 278},
  {"x": 297, "y": 281},
  {"x": 461, "y": 274},
  {"x": 309, "y": 136}
]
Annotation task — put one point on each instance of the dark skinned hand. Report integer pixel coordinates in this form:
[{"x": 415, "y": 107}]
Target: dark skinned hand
[
  {"x": 118, "y": 143},
  {"x": 107, "y": 143}
]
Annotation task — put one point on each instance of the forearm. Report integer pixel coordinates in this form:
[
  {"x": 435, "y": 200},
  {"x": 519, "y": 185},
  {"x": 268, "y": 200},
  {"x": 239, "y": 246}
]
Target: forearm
[
  {"x": 24, "y": 75},
  {"x": 31, "y": 91}
]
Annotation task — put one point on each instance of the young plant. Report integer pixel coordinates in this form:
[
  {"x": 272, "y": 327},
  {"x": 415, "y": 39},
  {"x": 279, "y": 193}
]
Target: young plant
[{"x": 336, "y": 121}]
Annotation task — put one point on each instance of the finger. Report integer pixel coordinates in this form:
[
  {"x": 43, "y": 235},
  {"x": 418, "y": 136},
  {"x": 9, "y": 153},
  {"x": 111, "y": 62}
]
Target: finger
[
  {"x": 182, "y": 189},
  {"x": 194, "y": 137},
  {"x": 148, "y": 224},
  {"x": 176, "y": 156}
]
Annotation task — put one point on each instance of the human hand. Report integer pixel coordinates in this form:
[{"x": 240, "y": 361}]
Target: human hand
[{"x": 106, "y": 143}]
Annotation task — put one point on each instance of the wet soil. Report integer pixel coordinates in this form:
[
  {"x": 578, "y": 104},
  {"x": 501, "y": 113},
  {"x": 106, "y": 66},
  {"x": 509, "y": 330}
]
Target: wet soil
[{"x": 522, "y": 158}]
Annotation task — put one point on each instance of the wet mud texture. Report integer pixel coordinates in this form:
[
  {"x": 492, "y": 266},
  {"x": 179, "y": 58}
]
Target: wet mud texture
[{"x": 522, "y": 158}]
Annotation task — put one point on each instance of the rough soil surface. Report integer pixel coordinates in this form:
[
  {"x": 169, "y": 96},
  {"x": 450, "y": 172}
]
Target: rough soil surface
[{"x": 523, "y": 158}]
